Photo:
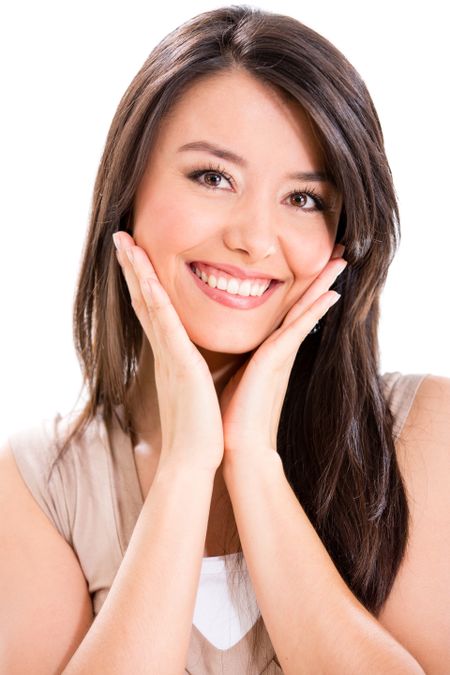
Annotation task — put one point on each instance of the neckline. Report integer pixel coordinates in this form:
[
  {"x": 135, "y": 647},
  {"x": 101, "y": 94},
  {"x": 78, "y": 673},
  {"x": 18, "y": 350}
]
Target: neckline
[
  {"x": 127, "y": 503},
  {"x": 224, "y": 660}
]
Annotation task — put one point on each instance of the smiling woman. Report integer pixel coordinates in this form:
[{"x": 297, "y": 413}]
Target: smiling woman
[
  {"x": 236, "y": 418},
  {"x": 250, "y": 218}
]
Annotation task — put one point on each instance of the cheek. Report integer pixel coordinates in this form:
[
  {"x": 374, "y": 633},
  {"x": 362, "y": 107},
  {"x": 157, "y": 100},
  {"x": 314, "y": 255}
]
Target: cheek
[
  {"x": 172, "y": 226},
  {"x": 310, "y": 255}
]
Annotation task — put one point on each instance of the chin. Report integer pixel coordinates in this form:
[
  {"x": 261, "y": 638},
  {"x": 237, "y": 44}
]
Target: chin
[{"x": 224, "y": 342}]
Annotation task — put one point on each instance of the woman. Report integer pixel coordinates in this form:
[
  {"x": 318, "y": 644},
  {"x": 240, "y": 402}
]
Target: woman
[{"x": 235, "y": 406}]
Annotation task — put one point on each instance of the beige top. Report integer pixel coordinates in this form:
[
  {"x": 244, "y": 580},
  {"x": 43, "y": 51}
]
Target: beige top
[{"x": 93, "y": 497}]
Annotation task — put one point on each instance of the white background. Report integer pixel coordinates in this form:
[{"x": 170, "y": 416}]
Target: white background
[{"x": 65, "y": 67}]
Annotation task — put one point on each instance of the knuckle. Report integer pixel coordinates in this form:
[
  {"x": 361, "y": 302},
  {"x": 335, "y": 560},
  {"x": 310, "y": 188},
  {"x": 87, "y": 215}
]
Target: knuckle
[{"x": 137, "y": 304}]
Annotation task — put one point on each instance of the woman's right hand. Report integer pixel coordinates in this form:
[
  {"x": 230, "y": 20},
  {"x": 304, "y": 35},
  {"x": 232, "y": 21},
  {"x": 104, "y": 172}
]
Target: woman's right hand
[{"x": 191, "y": 422}]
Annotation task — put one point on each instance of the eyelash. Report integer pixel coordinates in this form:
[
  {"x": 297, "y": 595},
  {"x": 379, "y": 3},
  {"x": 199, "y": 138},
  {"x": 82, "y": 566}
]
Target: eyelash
[{"x": 321, "y": 204}]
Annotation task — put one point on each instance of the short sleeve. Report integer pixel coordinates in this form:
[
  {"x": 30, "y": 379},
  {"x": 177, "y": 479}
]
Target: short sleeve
[
  {"x": 35, "y": 450},
  {"x": 400, "y": 392},
  {"x": 76, "y": 491}
]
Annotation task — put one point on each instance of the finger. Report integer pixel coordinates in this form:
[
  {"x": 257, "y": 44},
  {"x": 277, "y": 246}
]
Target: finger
[
  {"x": 155, "y": 311},
  {"x": 289, "y": 339},
  {"x": 319, "y": 286},
  {"x": 125, "y": 246},
  {"x": 124, "y": 243},
  {"x": 137, "y": 269},
  {"x": 322, "y": 283}
]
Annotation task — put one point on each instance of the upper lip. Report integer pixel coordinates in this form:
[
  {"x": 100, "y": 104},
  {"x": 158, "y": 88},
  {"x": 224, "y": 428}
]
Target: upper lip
[{"x": 237, "y": 271}]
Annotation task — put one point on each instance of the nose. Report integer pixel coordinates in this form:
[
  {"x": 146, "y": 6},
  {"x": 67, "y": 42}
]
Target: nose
[{"x": 252, "y": 230}]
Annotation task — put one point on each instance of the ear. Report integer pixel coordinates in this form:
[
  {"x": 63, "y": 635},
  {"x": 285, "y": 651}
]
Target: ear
[{"x": 338, "y": 251}]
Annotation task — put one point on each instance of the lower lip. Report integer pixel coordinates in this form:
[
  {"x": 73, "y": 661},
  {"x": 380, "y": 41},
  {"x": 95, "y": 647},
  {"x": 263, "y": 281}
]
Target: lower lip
[{"x": 235, "y": 301}]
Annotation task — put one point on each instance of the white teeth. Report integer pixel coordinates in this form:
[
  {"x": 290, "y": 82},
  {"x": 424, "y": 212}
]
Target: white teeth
[
  {"x": 233, "y": 286},
  {"x": 244, "y": 288}
]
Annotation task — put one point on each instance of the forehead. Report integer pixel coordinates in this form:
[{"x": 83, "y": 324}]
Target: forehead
[{"x": 236, "y": 108}]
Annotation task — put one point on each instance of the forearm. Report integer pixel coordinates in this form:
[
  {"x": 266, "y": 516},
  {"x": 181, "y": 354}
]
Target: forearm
[
  {"x": 314, "y": 621},
  {"x": 145, "y": 623}
]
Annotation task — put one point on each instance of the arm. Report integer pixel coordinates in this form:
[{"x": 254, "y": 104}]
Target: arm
[
  {"x": 314, "y": 621},
  {"x": 417, "y": 610},
  {"x": 45, "y": 606},
  {"x": 145, "y": 623}
]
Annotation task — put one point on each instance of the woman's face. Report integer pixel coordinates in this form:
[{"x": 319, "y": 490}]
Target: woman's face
[{"x": 254, "y": 217}]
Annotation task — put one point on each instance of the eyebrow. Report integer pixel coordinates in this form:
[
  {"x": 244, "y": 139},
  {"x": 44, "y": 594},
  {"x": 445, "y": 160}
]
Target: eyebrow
[{"x": 222, "y": 153}]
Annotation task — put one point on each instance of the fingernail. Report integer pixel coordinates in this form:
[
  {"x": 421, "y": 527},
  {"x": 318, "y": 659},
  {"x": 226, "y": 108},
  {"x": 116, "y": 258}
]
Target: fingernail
[
  {"x": 130, "y": 255},
  {"x": 334, "y": 300},
  {"x": 341, "y": 268},
  {"x": 116, "y": 240}
]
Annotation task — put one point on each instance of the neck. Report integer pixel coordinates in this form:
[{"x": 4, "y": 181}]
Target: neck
[
  {"x": 222, "y": 366},
  {"x": 143, "y": 396}
]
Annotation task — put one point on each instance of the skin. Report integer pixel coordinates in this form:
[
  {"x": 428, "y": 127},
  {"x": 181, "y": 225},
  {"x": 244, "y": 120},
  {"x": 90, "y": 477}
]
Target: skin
[{"x": 253, "y": 222}]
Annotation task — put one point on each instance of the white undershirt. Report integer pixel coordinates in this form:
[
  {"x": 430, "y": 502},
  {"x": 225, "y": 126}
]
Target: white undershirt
[{"x": 221, "y": 619}]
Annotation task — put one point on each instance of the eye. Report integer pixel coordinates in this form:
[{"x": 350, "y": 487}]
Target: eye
[
  {"x": 217, "y": 173},
  {"x": 209, "y": 173},
  {"x": 302, "y": 197}
]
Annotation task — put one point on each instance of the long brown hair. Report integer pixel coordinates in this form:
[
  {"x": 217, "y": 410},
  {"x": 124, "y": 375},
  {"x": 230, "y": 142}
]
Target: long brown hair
[{"x": 336, "y": 430}]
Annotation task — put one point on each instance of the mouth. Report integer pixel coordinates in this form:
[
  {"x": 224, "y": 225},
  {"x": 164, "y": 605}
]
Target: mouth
[
  {"x": 224, "y": 279},
  {"x": 232, "y": 291}
]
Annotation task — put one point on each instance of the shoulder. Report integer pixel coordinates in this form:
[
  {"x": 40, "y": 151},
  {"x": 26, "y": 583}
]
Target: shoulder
[
  {"x": 400, "y": 390},
  {"x": 41, "y": 443},
  {"x": 432, "y": 405},
  {"x": 424, "y": 444},
  {"x": 56, "y": 479},
  {"x": 417, "y": 611}
]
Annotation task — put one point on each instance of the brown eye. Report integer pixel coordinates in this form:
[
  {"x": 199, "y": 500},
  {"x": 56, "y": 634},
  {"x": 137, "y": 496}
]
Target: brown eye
[
  {"x": 298, "y": 199},
  {"x": 215, "y": 183},
  {"x": 210, "y": 177}
]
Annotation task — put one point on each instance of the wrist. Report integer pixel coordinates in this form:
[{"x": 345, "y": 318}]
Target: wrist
[
  {"x": 245, "y": 462},
  {"x": 173, "y": 467}
]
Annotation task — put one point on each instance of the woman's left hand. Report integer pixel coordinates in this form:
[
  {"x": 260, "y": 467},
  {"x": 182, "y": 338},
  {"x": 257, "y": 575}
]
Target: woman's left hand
[{"x": 252, "y": 400}]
